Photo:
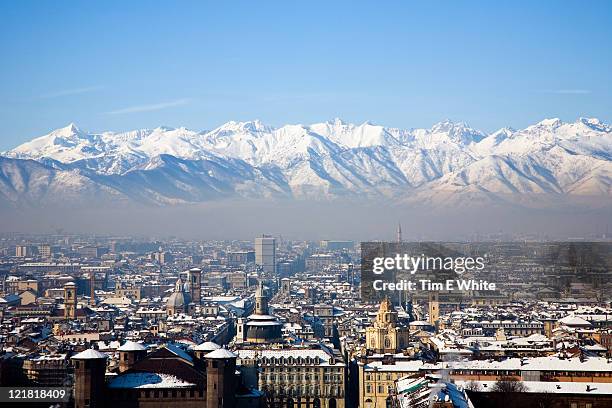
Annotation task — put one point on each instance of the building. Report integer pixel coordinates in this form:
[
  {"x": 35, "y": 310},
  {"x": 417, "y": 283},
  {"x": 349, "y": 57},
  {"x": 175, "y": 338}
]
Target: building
[
  {"x": 46, "y": 370},
  {"x": 260, "y": 327},
  {"x": 336, "y": 245},
  {"x": 186, "y": 294},
  {"x": 22, "y": 251},
  {"x": 44, "y": 250},
  {"x": 385, "y": 335},
  {"x": 70, "y": 300},
  {"x": 167, "y": 376},
  {"x": 317, "y": 262},
  {"x": 180, "y": 300},
  {"x": 296, "y": 377},
  {"x": 265, "y": 253},
  {"x": 237, "y": 258}
]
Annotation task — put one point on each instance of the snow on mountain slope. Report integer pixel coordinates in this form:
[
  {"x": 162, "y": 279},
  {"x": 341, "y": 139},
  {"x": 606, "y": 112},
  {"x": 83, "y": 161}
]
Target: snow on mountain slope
[
  {"x": 319, "y": 161},
  {"x": 29, "y": 183}
]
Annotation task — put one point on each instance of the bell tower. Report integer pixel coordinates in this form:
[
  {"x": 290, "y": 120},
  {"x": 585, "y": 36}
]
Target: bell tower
[
  {"x": 195, "y": 284},
  {"x": 261, "y": 301},
  {"x": 434, "y": 309},
  {"x": 70, "y": 300}
]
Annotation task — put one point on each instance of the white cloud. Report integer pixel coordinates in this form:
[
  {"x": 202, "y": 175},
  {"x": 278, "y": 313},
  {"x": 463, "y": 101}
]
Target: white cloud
[{"x": 150, "y": 107}]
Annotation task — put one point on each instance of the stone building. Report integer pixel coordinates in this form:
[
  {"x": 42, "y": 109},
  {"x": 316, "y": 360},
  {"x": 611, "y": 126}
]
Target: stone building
[
  {"x": 167, "y": 376},
  {"x": 296, "y": 377},
  {"x": 385, "y": 335},
  {"x": 260, "y": 327}
]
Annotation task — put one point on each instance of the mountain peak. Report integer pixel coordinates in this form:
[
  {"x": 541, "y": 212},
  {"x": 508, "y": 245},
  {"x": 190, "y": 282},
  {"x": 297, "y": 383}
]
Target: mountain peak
[
  {"x": 255, "y": 126},
  {"x": 552, "y": 122},
  {"x": 69, "y": 130},
  {"x": 447, "y": 125},
  {"x": 595, "y": 124},
  {"x": 336, "y": 122}
]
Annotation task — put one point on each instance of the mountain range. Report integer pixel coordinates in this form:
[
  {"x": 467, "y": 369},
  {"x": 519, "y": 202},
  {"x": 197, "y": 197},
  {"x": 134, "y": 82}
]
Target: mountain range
[{"x": 448, "y": 164}]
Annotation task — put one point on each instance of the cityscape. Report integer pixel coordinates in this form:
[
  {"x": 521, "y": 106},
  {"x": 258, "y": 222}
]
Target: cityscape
[
  {"x": 131, "y": 322},
  {"x": 322, "y": 204}
]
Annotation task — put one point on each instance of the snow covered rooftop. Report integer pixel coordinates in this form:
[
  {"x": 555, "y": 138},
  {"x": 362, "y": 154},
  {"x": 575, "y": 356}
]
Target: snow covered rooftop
[
  {"x": 89, "y": 354},
  {"x": 221, "y": 353},
  {"x": 175, "y": 349},
  {"x": 207, "y": 346},
  {"x": 148, "y": 380},
  {"x": 553, "y": 387},
  {"x": 132, "y": 346}
]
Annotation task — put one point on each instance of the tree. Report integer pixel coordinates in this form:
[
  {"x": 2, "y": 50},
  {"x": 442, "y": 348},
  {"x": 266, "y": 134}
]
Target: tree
[{"x": 509, "y": 384}]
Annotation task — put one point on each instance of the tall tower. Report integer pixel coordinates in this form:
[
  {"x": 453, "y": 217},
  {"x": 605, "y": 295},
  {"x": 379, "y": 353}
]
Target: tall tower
[
  {"x": 434, "y": 309},
  {"x": 399, "y": 232},
  {"x": 261, "y": 301},
  {"x": 195, "y": 285},
  {"x": 220, "y": 384},
  {"x": 265, "y": 253},
  {"x": 89, "y": 371},
  {"x": 70, "y": 300},
  {"x": 92, "y": 287},
  {"x": 286, "y": 286}
]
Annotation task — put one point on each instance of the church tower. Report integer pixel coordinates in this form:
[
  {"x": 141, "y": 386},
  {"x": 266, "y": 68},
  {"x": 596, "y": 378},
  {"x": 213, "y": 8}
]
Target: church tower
[
  {"x": 195, "y": 284},
  {"x": 261, "y": 301},
  {"x": 70, "y": 300},
  {"x": 385, "y": 336},
  {"x": 434, "y": 309}
]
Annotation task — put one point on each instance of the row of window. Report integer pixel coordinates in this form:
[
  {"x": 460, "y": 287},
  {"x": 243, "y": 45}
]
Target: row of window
[
  {"x": 131, "y": 394},
  {"x": 380, "y": 389},
  {"x": 300, "y": 378},
  {"x": 293, "y": 360},
  {"x": 282, "y": 369}
]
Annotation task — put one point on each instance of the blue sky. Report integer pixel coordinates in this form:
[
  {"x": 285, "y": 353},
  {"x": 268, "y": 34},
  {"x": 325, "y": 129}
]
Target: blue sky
[{"x": 125, "y": 65}]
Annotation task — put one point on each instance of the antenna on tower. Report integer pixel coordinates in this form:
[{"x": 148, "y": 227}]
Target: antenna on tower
[{"x": 399, "y": 232}]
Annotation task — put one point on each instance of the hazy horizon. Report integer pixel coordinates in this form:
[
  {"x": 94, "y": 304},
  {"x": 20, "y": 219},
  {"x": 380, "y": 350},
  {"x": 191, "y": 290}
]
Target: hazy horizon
[{"x": 358, "y": 220}]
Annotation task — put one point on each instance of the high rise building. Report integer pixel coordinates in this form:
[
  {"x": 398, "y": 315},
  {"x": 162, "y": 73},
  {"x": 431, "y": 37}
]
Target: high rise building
[
  {"x": 265, "y": 253},
  {"x": 21, "y": 251}
]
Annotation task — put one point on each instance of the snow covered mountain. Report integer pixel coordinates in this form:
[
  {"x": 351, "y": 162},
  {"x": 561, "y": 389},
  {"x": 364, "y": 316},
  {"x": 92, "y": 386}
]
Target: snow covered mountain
[{"x": 449, "y": 163}]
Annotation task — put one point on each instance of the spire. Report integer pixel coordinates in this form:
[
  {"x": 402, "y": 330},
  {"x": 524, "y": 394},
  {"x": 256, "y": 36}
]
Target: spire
[
  {"x": 399, "y": 232},
  {"x": 178, "y": 286}
]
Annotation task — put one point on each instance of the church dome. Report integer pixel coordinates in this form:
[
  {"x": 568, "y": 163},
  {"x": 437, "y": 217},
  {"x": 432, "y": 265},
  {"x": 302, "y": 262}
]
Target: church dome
[{"x": 176, "y": 300}]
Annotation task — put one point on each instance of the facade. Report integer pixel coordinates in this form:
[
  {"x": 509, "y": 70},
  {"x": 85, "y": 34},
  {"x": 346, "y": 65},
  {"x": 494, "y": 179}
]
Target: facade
[
  {"x": 297, "y": 377},
  {"x": 385, "y": 335},
  {"x": 168, "y": 376},
  {"x": 317, "y": 262},
  {"x": 46, "y": 371},
  {"x": 237, "y": 258},
  {"x": 70, "y": 300}
]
